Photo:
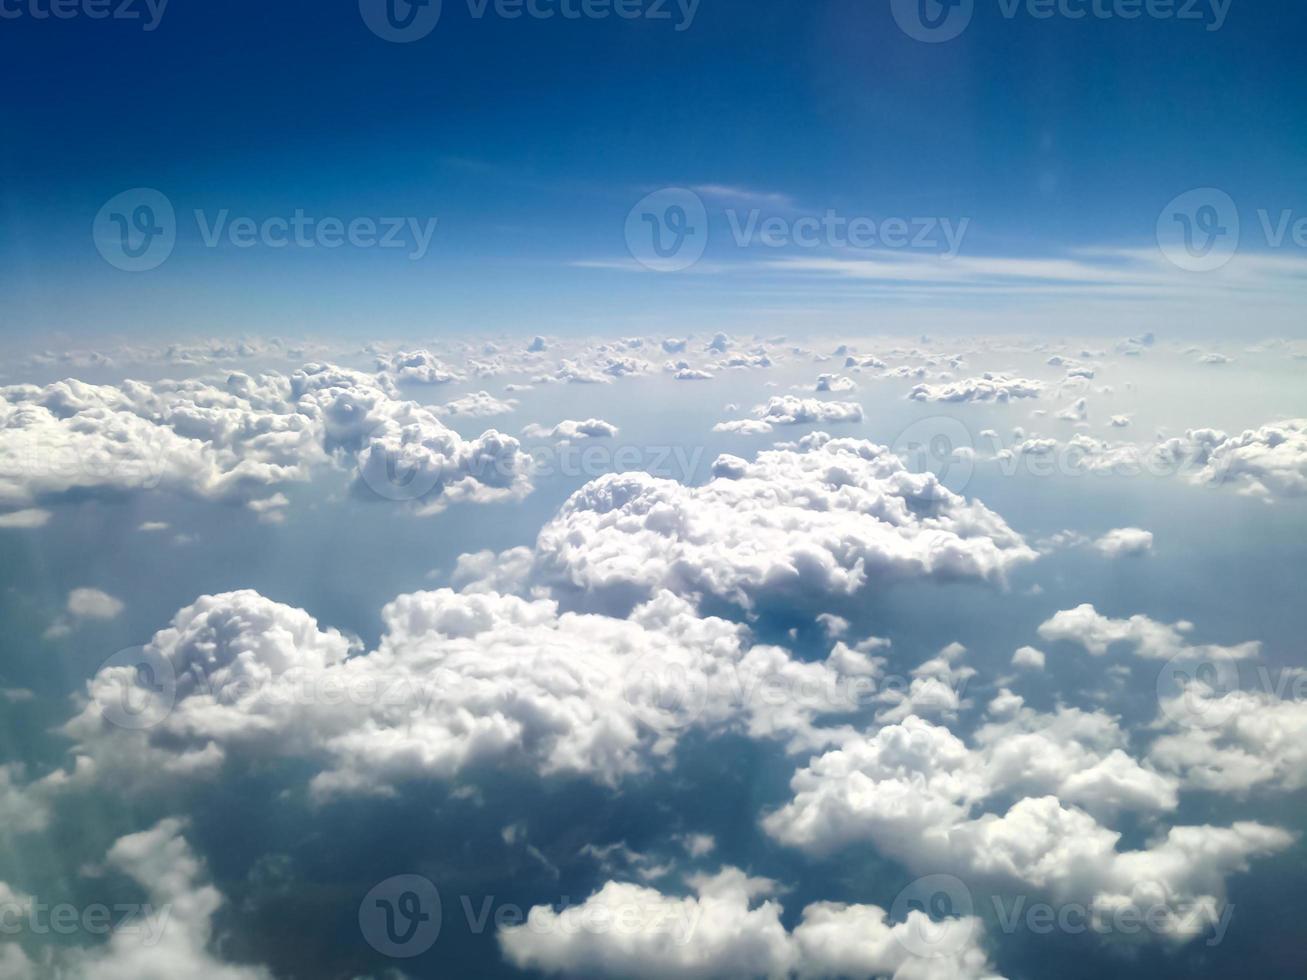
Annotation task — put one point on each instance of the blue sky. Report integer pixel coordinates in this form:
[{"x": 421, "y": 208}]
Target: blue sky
[{"x": 530, "y": 140}]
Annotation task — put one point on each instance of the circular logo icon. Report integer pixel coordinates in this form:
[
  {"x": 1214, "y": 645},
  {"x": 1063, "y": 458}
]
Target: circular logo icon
[
  {"x": 401, "y": 917},
  {"x": 668, "y": 230},
  {"x": 136, "y": 230},
  {"x": 941, "y": 445},
  {"x": 936, "y": 912},
  {"x": 1192, "y": 693},
  {"x": 1199, "y": 230},
  {"x": 396, "y": 465},
  {"x": 668, "y": 694},
  {"x": 400, "y": 21},
  {"x": 933, "y": 21},
  {"x": 136, "y": 688}
]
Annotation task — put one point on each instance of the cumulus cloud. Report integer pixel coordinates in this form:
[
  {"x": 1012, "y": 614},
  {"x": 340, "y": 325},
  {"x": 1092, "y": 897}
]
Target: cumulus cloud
[
  {"x": 791, "y": 410},
  {"x": 447, "y": 689},
  {"x": 170, "y": 938},
  {"x": 1028, "y": 658},
  {"x": 479, "y": 404},
  {"x": 572, "y": 429},
  {"x": 233, "y": 439},
  {"x": 93, "y": 604},
  {"x": 1125, "y": 542},
  {"x": 834, "y": 383},
  {"x": 1269, "y": 462},
  {"x": 744, "y": 427},
  {"x": 828, "y": 517},
  {"x": 730, "y": 926},
  {"x": 1149, "y": 639},
  {"x": 911, "y": 790},
  {"x": 987, "y": 388},
  {"x": 1234, "y": 741},
  {"x": 418, "y": 367}
]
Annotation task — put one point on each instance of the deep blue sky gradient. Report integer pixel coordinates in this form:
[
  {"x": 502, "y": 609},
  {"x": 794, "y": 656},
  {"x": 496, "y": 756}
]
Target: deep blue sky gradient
[{"x": 531, "y": 140}]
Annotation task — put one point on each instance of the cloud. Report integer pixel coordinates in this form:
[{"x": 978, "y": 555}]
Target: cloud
[
  {"x": 828, "y": 517},
  {"x": 1269, "y": 462},
  {"x": 911, "y": 790},
  {"x": 572, "y": 429},
  {"x": 93, "y": 604},
  {"x": 234, "y": 439},
  {"x": 479, "y": 404},
  {"x": 238, "y": 676},
  {"x": 170, "y": 938},
  {"x": 744, "y": 427},
  {"x": 1150, "y": 639},
  {"x": 1234, "y": 741},
  {"x": 730, "y": 926},
  {"x": 417, "y": 367},
  {"x": 1125, "y": 542},
  {"x": 1077, "y": 411},
  {"x": 30, "y": 518},
  {"x": 1028, "y": 658},
  {"x": 987, "y": 388},
  {"x": 789, "y": 410},
  {"x": 835, "y": 382}
]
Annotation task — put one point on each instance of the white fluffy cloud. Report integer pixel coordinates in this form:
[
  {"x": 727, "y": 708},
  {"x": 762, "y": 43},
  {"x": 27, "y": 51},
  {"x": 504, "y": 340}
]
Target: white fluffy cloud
[
  {"x": 418, "y": 367},
  {"x": 1125, "y": 542},
  {"x": 170, "y": 939},
  {"x": 1150, "y": 639},
  {"x": 791, "y": 410},
  {"x": 911, "y": 789},
  {"x": 236, "y": 438},
  {"x": 93, "y": 604},
  {"x": 1028, "y": 658},
  {"x": 478, "y": 404},
  {"x": 1234, "y": 741},
  {"x": 987, "y": 388},
  {"x": 572, "y": 429},
  {"x": 1270, "y": 461},
  {"x": 448, "y": 688},
  {"x": 731, "y": 927},
  {"x": 830, "y": 516}
]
